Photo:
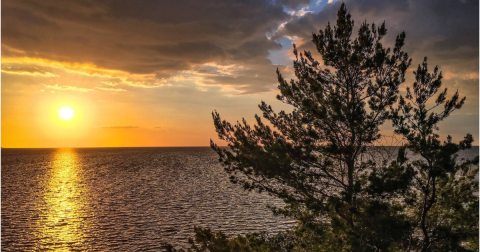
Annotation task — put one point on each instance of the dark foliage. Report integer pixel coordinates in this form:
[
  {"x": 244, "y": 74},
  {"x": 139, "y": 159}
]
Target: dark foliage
[
  {"x": 445, "y": 205},
  {"x": 316, "y": 158}
]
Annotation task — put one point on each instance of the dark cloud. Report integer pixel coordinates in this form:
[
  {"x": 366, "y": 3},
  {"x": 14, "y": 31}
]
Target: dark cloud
[
  {"x": 293, "y": 4},
  {"x": 163, "y": 39},
  {"x": 444, "y": 30}
]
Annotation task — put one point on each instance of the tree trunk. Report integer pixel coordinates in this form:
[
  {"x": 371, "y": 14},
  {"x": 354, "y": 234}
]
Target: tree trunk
[{"x": 350, "y": 167}]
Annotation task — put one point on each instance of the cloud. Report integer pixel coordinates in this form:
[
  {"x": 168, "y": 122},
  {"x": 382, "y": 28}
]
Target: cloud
[
  {"x": 80, "y": 89},
  {"x": 110, "y": 83},
  {"x": 445, "y": 31},
  {"x": 120, "y": 127},
  {"x": 144, "y": 43},
  {"x": 300, "y": 13},
  {"x": 111, "y": 89},
  {"x": 148, "y": 44},
  {"x": 68, "y": 88},
  {"x": 293, "y": 4},
  {"x": 27, "y": 71},
  {"x": 140, "y": 80}
]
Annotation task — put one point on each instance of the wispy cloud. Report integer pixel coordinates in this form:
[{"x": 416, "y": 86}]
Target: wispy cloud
[
  {"x": 110, "y": 83},
  {"x": 111, "y": 89},
  {"x": 301, "y": 12},
  {"x": 139, "y": 80},
  {"x": 68, "y": 88},
  {"x": 27, "y": 71}
]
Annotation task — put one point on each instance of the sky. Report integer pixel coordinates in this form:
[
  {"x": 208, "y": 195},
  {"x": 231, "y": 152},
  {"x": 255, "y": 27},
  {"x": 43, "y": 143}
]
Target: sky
[{"x": 149, "y": 73}]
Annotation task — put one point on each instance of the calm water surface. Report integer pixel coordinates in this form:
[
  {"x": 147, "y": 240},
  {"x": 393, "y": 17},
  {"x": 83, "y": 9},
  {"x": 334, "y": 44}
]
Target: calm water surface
[{"x": 123, "y": 199}]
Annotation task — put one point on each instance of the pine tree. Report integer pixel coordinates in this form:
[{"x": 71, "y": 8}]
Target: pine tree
[
  {"x": 444, "y": 201},
  {"x": 311, "y": 157},
  {"x": 316, "y": 158}
]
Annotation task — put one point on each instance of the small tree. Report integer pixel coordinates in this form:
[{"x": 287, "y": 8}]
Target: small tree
[
  {"x": 444, "y": 203},
  {"x": 314, "y": 158}
]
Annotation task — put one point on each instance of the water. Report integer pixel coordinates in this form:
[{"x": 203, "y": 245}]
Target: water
[{"x": 124, "y": 199}]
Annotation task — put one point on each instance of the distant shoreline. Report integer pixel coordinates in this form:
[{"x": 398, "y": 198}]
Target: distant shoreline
[
  {"x": 143, "y": 147},
  {"x": 124, "y": 147}
]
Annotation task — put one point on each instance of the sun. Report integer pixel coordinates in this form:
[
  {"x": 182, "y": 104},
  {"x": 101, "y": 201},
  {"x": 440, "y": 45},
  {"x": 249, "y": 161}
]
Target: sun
[{"x": 66, "y": 113}]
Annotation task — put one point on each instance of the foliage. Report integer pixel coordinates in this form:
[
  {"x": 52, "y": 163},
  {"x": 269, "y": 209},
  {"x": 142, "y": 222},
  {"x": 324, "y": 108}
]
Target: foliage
[
  {"x": 445, "y": 205},
  {"x": 206, "y": 240},
  {"x": 316, "y": 158}
]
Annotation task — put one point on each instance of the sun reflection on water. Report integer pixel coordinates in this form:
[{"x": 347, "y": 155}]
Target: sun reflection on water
[{"x": 64, "y": 208}]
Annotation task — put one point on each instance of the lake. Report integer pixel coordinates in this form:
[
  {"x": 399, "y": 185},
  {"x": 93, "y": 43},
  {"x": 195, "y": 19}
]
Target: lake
[{"x": 124, "y": 199}]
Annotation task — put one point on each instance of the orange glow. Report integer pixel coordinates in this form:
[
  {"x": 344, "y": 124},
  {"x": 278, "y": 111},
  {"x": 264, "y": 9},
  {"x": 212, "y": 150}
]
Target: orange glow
[{"x": 87, "y": 69}]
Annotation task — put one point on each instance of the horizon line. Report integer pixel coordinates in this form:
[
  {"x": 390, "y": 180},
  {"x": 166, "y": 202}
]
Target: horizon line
[
  {"x": 199, "y": 146},
  {"x": 105, "y": 147}
]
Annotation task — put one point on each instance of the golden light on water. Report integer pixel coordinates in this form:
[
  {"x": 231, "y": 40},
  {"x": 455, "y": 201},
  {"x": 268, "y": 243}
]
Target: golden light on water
[{"x": 65, "y": 208}]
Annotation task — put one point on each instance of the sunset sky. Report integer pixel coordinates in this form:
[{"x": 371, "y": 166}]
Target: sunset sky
[{"x": 149, "y": 73}]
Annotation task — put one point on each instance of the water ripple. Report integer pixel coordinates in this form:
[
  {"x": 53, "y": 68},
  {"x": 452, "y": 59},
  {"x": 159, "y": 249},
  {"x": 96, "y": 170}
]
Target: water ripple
[{"x": 124, "y": 199}]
